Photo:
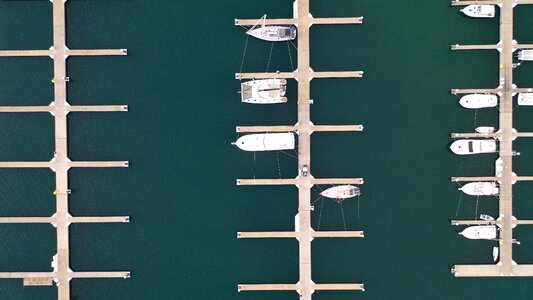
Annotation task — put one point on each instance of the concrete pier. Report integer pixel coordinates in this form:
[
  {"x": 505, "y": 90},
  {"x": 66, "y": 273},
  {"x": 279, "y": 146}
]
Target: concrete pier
[
  {"x": 505, "y": 177},
  {"x": 304, "y": 233},
  {"x": 327, "y": 128},
  {"x": 60, "y": 163}
]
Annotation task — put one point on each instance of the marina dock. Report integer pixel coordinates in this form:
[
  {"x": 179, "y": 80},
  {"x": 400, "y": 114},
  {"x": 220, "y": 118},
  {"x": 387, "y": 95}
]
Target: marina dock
[
  {"x": 303, "y": 232},
  {"x": 62, "y": 274},
  {"x": 504, "y": 171}
]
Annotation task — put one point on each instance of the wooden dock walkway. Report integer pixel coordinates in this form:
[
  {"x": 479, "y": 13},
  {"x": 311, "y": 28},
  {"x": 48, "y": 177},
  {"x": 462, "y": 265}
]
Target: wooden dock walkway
[
  {"x": 506, "y": 178},
  {"x": 60, "y": 163},
  {"x": 304, "y": 233}
]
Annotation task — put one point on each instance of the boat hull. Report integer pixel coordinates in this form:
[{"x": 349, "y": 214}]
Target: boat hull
[
  {"x": 266, "y": 142},
  {"x": 525, "y": 99},
  {"x": 485, "y": 129},
  {"x": 526, "y": 55},
  {"x": 480, "y": 189},
  {"x": 467, "y": 147},
  {"x": 264, "y": 91},
  {"x": 475, "y": 101},
  {"x": 480, "y": 11},
  {"x": 341, "y": 192},
  {"x": 274, "y": 33},
  {"x": 481, "y": 232}
]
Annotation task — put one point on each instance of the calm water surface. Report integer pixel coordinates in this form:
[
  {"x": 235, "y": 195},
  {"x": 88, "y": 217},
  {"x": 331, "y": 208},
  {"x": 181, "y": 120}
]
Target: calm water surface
[{"x": 180, "y": 189}]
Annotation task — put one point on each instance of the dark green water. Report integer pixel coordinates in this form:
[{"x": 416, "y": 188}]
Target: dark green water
[{"x": 180, "y": 189}]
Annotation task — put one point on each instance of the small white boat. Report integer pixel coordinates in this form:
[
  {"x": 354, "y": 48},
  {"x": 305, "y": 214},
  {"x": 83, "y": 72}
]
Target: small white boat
[
  {"x": 480, "y": 189},
  {"x": 265, "y": 91},
  {"x": 466, "y": 147},
  {"x": 475, "y": 101},
  {"x": 525, "y": 99},
  {"x": 526, "y": 55},
  {"x": 486, "y": 217},
  {"x": 479, "y": 11},
  {"x": 341, "y": 192},
  {"x": 481, "y": 232},
  {"x": 495, "y": 253},
  {"x": 273, "y": 33},
  {"x": 266, "y": 142},
  {"x": 485, "y": 129}
]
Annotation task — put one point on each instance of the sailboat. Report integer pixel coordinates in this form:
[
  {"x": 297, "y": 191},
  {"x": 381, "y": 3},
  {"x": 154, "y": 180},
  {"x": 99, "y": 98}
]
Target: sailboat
[
  {"x": 272, "y": 33},
  {"x": 264, "y": 91},
  {"x": 341, "y": 192}
]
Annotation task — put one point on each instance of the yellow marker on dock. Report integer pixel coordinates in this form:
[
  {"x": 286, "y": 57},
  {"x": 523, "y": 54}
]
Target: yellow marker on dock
[
  {"x": 53, "y": 80},
  {"x": 502, "y": 66}
]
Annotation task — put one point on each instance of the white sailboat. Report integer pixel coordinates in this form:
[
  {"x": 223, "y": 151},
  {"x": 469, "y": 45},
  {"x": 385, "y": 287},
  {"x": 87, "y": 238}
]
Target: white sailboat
[
  {"x": 480, "y": 189},
  {"x": 265, "y": 91},
  {"x": 525, "y": 99},
  {"x": 266, "y": 142},
  {"x": 481, "y": 232},
  {"x": 272, "y": 33},
  {"x": 479, "y": 11},
  {"x": 526, "y": 55},
  {"x": 495, "y": 253},
  {"x": 466, "y": 147},
  {"x": 341, "y": 192},
  {"x": 475, "y": 101}
]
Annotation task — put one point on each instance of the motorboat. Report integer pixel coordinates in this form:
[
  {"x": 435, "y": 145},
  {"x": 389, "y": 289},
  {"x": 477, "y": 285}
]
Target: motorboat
[
  {"x": 475, "y": 101},
  {"x": 466, "y": 147},
  {"x": 485, "y": 129},
  {"x": 525, "y": 55},
  {"x": 480, "y": 232},
  {"x": 265, "y": 91},
  {"x": 480, "y": 189},
  {"x": 485, "y": 217},
  {"x": 479, "y": 11},
  {"x": 525, "y": 99},
  {"x": 272, "y": 33},
  {"x": 495, "y": 253},
  {"x": 266, "y": 141},
  {"x": 341, "y": 192}
]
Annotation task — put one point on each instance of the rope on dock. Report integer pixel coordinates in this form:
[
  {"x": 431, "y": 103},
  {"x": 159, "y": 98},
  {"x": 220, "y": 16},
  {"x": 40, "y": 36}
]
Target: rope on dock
[
  {"x": 458, "y": 205},
  {"x": 244, "y": 54},
  {"x": 320, "y": 214},
  {"x": 288, "y": 154},
  {"x": 254, "y": 164},
  {"x": 358, "y": 209},
  {"x": 279, "y": 166},
  {"x": 290, "y": 56},
  {"x": 343, "y": 218},
  {"x": 270, "y": 56},
  {"x": 320, "y": 197},
  {"x": 293, "y": 45},
  {"x": 477, "y": 205}
]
